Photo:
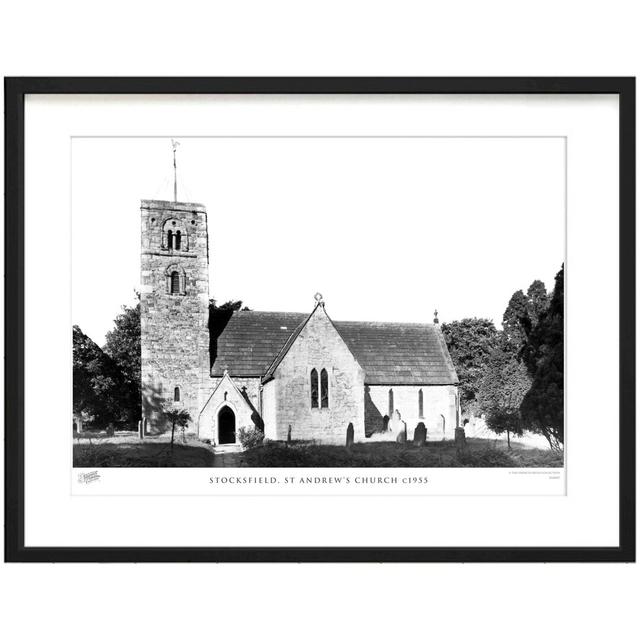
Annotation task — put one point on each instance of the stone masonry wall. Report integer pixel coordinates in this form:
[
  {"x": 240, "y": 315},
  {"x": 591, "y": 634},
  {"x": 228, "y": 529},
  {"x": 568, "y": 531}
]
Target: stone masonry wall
[
  {"x": 227, "y": 393},
  {"x": 269, "y": 410},
  {"x": 319, "y": 346},
  {"x": 174, "y": 332},
  {"x": 439, "y": 402},
  {"x": 247, "y": 414}
]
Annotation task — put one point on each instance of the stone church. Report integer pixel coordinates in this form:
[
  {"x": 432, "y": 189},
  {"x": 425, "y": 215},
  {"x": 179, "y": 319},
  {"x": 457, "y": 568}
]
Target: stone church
[{"x": 298, "y": 375}]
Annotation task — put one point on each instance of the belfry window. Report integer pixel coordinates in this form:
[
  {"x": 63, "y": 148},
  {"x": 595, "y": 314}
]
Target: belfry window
[
  {"x": 175, "y": 282},
  {"x": 176, "y": 394},
  {"x": 420, "y": 404},
  {"x": 174, "y": 235},
  {"x": 314, "y": 389},
  {"x": 324, "y": 389}
]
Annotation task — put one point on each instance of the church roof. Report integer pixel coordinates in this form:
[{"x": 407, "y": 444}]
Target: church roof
[{"x": 247, "y": 343}]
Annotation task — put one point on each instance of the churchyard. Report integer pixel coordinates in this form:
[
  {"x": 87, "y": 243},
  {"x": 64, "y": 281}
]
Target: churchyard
[{"x": 126, "y": 449}]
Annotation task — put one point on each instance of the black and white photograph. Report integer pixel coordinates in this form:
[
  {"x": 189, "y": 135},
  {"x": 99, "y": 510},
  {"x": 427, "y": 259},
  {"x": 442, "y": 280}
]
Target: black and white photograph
[
  {"x": 318, "y": 301},
  {"x": 320, "y": 320},
  {"x": 358, "y": 310}
]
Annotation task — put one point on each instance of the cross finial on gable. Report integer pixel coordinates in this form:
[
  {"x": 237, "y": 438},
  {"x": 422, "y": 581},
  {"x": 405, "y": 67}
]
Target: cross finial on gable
[
  {"x": 318, "y": 299},
  {"x": 435, "y": 317}
]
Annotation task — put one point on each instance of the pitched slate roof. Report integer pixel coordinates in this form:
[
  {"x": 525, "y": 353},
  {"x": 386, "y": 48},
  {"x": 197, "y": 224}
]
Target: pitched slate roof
[
  {"x": 248, "y": 342},
  {"x": 399, "y": 353}
]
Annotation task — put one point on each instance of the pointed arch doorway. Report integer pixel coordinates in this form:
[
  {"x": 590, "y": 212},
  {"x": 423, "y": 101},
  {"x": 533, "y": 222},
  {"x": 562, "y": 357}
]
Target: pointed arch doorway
[{"x": 226, "y": 426}]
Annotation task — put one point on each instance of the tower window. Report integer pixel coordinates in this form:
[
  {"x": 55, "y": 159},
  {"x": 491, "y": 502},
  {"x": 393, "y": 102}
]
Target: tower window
[
  {"x": 324, "y": 389},
  {"x": 175, "y": 282},
  {"x": 174, "y": 235},
  {"x": 390, "y": 402},
  {"x": 420, "y": 404},
  {"x": 314, "y": 389},
  {"x": 176, "y": 394}
]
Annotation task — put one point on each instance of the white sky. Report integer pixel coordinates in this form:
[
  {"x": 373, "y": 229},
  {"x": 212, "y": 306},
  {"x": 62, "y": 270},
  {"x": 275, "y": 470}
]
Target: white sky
[{"x": 385, "y": 228}]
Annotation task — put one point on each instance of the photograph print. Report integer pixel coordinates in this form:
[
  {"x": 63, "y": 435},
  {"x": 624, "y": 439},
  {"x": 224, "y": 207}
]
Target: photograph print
[{"x": 318, "y": 302}]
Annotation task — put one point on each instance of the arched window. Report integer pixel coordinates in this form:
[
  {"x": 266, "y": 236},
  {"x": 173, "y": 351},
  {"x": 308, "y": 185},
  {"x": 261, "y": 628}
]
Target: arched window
[
  {"x": 176, "y": 394},
  {"x": 324, "y": 389},
  {"x": 390, "y": 402},
  {"x": 420, "y": 404},
  {"x": 175, "y": 282},
  {"x": 175, "y": 235},
  {"x": 314, "y": 389}
]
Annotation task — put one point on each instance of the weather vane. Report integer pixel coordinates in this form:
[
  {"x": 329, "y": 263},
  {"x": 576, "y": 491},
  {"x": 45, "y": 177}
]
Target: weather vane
[{"x": 174, "y": 145}]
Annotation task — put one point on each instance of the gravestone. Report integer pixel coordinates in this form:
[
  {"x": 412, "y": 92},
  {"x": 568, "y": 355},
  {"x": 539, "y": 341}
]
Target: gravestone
[
  {"x": 349, "y": 435},
  {"x": 141, "y": 429},
  {"x": 289, "y": 435},
  {"x": 420, "y": 435},
  {"x": 460, "y": 438},
  {"x": 396, "y": 423}
]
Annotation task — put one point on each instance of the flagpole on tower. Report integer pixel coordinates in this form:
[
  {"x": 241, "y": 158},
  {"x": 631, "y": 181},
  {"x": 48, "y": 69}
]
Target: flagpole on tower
[{"x": 174, "y": 144}]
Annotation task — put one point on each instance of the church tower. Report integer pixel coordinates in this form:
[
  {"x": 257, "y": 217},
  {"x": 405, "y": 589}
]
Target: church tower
[{"x": 174, "y": 309}]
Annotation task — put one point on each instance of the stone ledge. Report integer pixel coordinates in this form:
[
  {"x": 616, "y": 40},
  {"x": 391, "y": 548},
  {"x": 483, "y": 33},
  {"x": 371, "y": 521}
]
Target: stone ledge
[{"x": 170, "y": 205}]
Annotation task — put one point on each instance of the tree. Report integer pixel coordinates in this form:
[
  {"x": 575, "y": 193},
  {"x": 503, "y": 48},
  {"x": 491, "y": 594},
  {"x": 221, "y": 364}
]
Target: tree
[
  {"x": 229, "y": 305},
  {"x": 177, "y": 418},
  {"x": 543, "y": 355},
  {"x": 470, "y": 342},
  {"x": 503, "y": 387},
  {"x": 98, "y": 382},
  {"x": 537, "y": 301},
  {"x": 123, "y": 346},
  {"x": 515, "y": 314}
]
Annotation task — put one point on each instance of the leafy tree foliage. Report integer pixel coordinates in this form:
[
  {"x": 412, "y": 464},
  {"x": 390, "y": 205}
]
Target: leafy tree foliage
[
  {"x": 177, "y": 418},
  {"x": 98, "y": 383},
  {"x": 513, "y": 331},
  {"x": 522, "y": 385},
  {"x": 543, "y": 406},
  {"x": 537, "y": 301},
  {"x": 229, "y": 305},
  {"x": 471, "y": 342},
  {"x": 123, "y": 346},
  {"x": 502, "y": 389}
]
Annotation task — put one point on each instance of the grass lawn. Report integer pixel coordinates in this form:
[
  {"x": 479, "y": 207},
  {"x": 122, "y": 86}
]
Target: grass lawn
[{"x": 128, "y": 451}]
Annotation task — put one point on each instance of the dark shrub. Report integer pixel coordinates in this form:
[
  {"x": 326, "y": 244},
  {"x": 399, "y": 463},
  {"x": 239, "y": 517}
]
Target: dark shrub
[{"x": 250, "y": 438}]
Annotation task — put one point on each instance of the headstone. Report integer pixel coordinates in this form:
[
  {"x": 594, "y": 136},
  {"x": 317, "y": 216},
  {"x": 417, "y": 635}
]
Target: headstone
[
  {"x": 79, "y": 426},
  {"x": 460, "y": 438},
  {"x": 350, "y": 435},
  {"x": 289, "y": 435},
  {"x": 140, "y": 430},
  {"x": 110, "y": 430},
  {"x": 396, "y": 423},
  {"x": 402, "y": 436},
  {"x": 420, "y": 435}
]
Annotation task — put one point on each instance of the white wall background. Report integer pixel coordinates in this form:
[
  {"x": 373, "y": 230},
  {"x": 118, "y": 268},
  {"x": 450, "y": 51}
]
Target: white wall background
[{"x": 328, "y": 38}]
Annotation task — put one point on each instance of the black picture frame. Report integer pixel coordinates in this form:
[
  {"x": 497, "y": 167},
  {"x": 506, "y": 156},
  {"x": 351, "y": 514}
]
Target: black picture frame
[{"x": 15, "y": 91}]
